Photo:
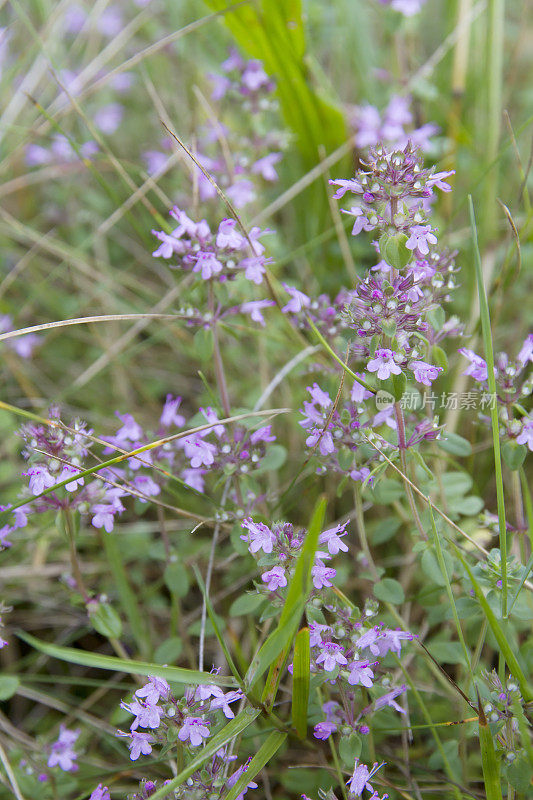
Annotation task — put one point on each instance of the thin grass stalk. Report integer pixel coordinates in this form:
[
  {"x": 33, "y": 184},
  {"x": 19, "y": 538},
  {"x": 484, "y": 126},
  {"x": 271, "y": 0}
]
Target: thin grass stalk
[{"x": 489, "y": 357}]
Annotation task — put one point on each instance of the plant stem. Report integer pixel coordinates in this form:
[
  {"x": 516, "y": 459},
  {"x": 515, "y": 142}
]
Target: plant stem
[{"x": 398, "y": 411}]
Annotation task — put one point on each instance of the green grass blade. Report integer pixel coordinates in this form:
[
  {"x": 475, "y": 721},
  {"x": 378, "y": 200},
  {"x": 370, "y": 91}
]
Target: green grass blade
[
  {"x": 489, "y": 358},
  {"x": 489, "y": 762},
  {"x": 230, "y": 731},
  {"x": 300, "y": 682},
  {"x": 267, "y": 750},
  {"x": 498, "y": 632},
  {"x": 171, "y": 674},
  {"x": 218, "y": 633}
]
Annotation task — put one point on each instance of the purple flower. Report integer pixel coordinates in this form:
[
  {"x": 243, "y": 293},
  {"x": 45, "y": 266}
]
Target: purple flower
[
  {"x": 259, "y": 536},
  {"x": 437, "y": 179},
  {"x": 153, "y": 690},
  {"x": 526, "y": 351},
  {"x": 346, "y": 186},
  {"x": 222, "y": 700},
  {"x": 200, "y": 452},
  {"x": 424, "y": 373},
  {"x": 263, "y": 434},
  {"x": 362, "y": 223},
  {"x": 40, "y": 479},
  {"x": 206, "y": 263},
  {"x": 131, "y": 431},
  {"x": 275, "y": 578},
  {"x": 211, "y": 417},
  {"x": 358, "y": 393},
  {"x": 170, "y": 414},
  {"x": 100, "y": 793},
  {"x": 478, "y": 367},
  {"x": 526, "y": 434},
  {"x": 316, "y": 630},
  {"x": 254, "y": 269},
  {"x": 331, "y": 537},
  {"x": 420, "y": 239},
  {"x": 228, "y": 237},
  {"x": 323, "y": 730},
  {"x": 254, "y": 76},
  {"x": 390, "y": 640},
  {"x": 265, "y": 166},
  {"x": 388, "y": 699},
  {"x": 109, "y": 117},
  {"x": 194, "y": 729},
  {"x": 298, "y": 300},
  {"x": 62, "y": 755},
  {"x": 361, "y": 674},
  {"x": 232, "y": 780},
  {"x": 318, "y": 396},
  {"x": 331, "y": 655},
  {"x": 147, "y": 715},
  {"x": 67, "y": 472},
  {"x": 194, "y": 478},
  {"x": 241, "y": 193},
  {"x": 322, "y": 575},
  {"x": 384, "y": 364},
  {"x": 324, "y": 440},
  {"x": 254, "y": 307},
  {"x": 169, "y": 245},
  {"x": 361, "y": 776},
  {"x": 139, "y": 743}
]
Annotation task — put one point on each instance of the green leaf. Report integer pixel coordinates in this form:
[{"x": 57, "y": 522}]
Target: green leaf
[
  {"x": 387, "y": 491},
  {"x": 389, "y": 591},
  {"x": 300, "y": 682},
  {"x": 171, "y": 674},
  {"x": 439, "y": 357},
  {"x": 8, "y": 686},
  {"x": 169, "y": 650},
  {"x": 128, "y": 598},
  {"x": 274, "y": 458},
  {"x": 176, "y": 579},
  {"x": 467, "y": 506},
  {"x": 393, "y": 250},
  {"x": 230, "y": 731},
  {"x": 514, "y": 454},
  {"x": 246, "y": 604},
  {"x": 105, "y": 620},
  {"x": 447, "y": 652},
  {"x": 454, "y": 444},
  {"x": 350, "y": 748},
  {"x": 267, "y": 751}
]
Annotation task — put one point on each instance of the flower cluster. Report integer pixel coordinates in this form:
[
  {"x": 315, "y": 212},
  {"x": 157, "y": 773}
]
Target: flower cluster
[
  {"x": 513, "y": 386},
  {"x": 337, "y": 435},
  {"x": 155, "y": 709},
  {"x": 223, "y": 255},
  {"x": 394, "y": 127}
]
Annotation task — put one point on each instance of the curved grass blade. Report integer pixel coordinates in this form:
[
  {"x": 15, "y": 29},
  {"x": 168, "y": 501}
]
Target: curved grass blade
[
  {"x": 300, "y": 682},
  {"x": 114, "y": 664},
  {"x": 230, "y": 731},
  {"x": 267, "y": 750},
  {"x": 491, "y": 381}
]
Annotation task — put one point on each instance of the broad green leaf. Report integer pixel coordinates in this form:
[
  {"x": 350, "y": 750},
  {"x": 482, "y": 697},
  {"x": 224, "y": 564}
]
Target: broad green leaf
[
  {"x": 454, "y": 444},
  {"x": 176, "y": 579},
  {"x": 389, "y": 591},
  {"x": 246, "y": 604},
  {"x": 114, "y": 664},
  {"x": 267, "y": 750},
  {"x": 300, "y": 682},
  {"x": 230, "y": 731},
  {"x": 105, "y": 620},
  {"x": 350, "y": 748}
]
